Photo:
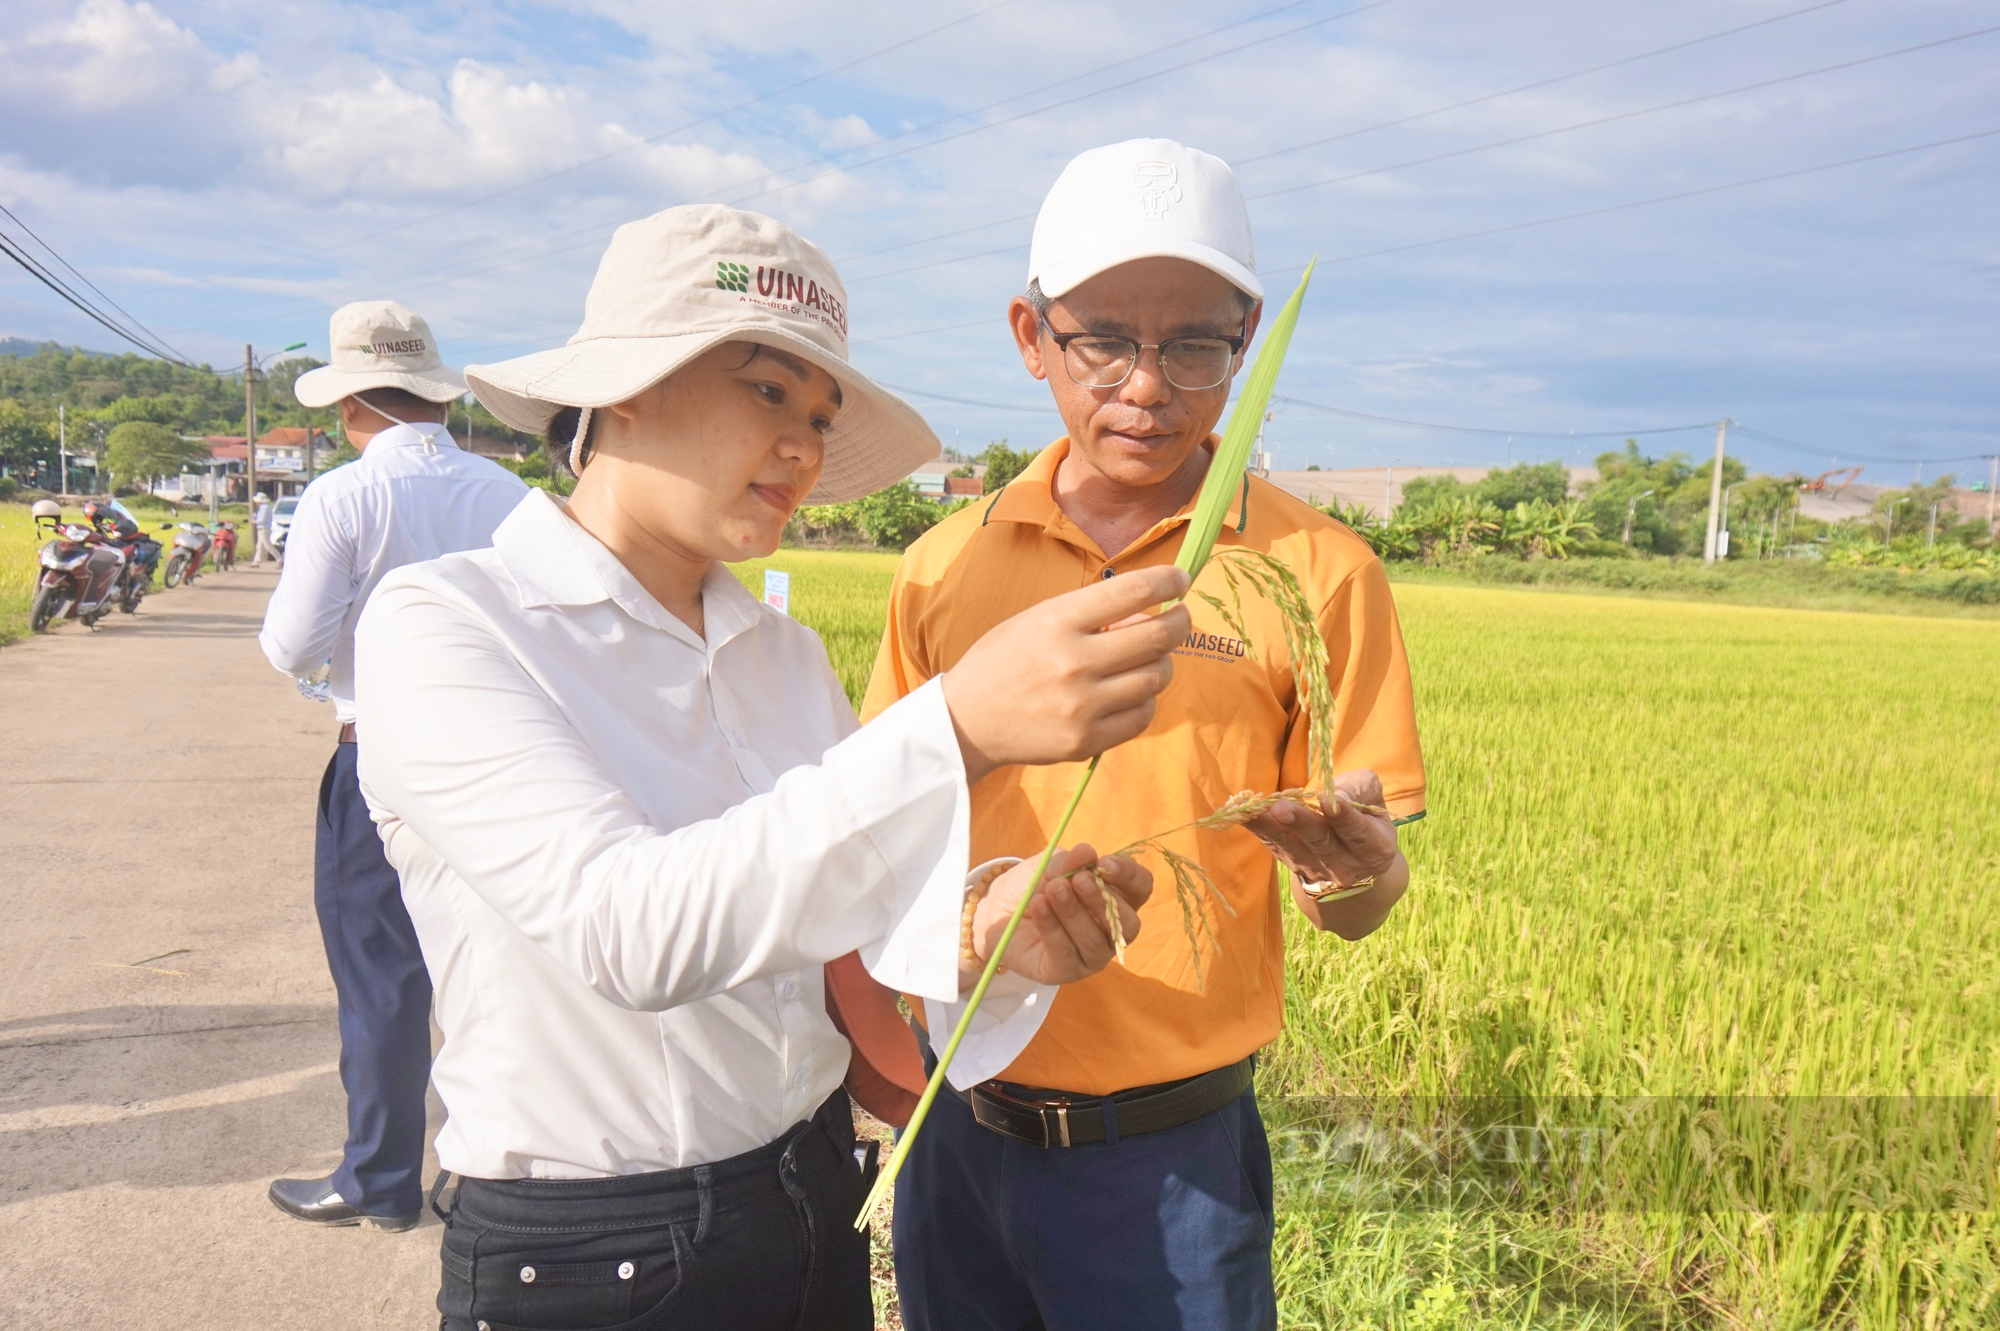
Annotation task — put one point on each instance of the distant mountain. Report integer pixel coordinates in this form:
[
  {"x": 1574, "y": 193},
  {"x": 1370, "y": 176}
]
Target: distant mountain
[{"x": 27, "y": 346}]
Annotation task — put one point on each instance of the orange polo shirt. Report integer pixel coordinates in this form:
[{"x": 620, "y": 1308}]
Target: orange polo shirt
[{"x": 1230, "y": 721}]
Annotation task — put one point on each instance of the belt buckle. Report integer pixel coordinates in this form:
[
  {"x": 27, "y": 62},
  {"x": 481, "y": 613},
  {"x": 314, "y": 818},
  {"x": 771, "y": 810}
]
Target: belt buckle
[{"x": 1060, "y": 1112}]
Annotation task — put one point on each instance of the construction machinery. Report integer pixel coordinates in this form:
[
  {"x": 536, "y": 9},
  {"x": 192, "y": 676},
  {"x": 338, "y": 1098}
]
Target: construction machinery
[{"x": 1822, "y": 484}]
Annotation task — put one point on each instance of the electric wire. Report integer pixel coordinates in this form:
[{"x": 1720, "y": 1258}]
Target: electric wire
[
  {"x": 40, "y": 273},
  {"x": 1470, "y": 429},
  {"x": 1627, "y": 115},
  {"x": 1811, "y": 450},
  {"x": 1391, "y": 124},
  {"x": 1649, "y": 202},
  {"x": 1536, "y": 85},
  {"x": 597, "y": 230},
  {"x": 130, "y": 318},
  {"x": 1498, "y": 143}
]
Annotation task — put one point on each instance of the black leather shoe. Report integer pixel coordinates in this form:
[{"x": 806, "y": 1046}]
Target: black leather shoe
[{"x": 314, "y": 1201}]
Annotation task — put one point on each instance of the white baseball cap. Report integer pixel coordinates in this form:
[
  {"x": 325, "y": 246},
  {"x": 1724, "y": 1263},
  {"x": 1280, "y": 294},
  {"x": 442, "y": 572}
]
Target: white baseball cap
[
  {"x": 681, "y": 282},
  {"x": 379, "y": 344},
  {"x": 1142, "y": 199}
]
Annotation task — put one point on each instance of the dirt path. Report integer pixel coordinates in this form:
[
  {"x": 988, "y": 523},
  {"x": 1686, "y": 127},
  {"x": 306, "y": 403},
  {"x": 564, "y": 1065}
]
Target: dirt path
[{"x": 157, "y": 808}]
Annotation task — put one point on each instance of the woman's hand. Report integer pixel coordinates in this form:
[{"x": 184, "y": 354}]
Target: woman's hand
[
  {"x": 1070, "y": 677},
  {"x": 1064, "y": 936}
]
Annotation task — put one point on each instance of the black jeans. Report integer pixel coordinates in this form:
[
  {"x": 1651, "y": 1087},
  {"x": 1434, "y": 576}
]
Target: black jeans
[{"x": 763, "y": 1241}]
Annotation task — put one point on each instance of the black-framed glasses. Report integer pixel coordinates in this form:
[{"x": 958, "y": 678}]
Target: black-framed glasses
[{"x": 1100, "y": 360}]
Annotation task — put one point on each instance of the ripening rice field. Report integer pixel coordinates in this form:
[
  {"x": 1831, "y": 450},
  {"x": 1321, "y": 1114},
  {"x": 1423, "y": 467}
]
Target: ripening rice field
[{"x": 1716, "y": 883}]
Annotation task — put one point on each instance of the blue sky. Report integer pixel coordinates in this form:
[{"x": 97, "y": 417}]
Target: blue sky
[{"x": 230, "y": 172}]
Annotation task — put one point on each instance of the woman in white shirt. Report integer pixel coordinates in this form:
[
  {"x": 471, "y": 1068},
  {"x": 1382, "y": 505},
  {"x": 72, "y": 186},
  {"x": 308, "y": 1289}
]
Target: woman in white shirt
[{"x": 634, "y": 816}]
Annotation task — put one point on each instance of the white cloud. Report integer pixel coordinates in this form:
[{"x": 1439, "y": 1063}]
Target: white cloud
[{"x": 111, "y": 55}]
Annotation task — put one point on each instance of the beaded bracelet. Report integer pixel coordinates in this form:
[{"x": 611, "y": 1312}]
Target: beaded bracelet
[{"x": 975, "y": 894}]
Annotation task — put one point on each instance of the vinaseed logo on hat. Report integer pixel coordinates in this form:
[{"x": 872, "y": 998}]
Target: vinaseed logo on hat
[
  {"x": 793, "y": 294},
  {"x": 413, "y": 346},
  {"x": 379, "y": 344},
  {"x": 674, "y": 286}
]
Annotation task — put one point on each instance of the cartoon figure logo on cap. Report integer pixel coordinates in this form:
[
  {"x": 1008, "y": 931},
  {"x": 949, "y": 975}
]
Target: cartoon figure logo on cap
[{"x": 1158, "y": 188}]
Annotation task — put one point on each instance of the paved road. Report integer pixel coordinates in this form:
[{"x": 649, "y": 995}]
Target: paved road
[{"x": 167, "y": 1038}]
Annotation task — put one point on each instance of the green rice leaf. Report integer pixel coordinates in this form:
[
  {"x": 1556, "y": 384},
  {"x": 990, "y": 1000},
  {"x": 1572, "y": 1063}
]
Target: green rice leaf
[{"x": 1232, "y": 455}]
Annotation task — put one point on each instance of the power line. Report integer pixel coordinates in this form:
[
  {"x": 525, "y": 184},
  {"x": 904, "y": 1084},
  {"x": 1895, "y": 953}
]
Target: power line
[
  {"x": 1811, "y": 450},
  {"x": 50, "y": 250},
  {"x": 970, "y": 402},
  {"x": 1625, "y": 115},
  {"x": 596, "y": 231},
  {"x": 920, "y": 332},
  {"x": 1537, "y": 84},
  {"x": 1469, "y": 429},
  {"x": 1385, "y": 124},
  {"x": 1660, "y": 198},
  {"x": 41, "y": 274},
  {"x": 1082, "y": 96}
]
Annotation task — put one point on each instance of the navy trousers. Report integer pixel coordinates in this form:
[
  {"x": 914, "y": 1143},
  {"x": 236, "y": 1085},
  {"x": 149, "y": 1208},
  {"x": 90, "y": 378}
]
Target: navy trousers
[
  {"x": 1156, "y": 1232},
  {"x": 385, "y": 1000}
]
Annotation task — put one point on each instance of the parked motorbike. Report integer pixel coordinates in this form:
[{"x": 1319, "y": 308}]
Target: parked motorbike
[
  {"x": 192, "y": 543},
  {"x": 116, "y": 525},
  {"x": 81, "y": 571},
  {"x": 225, "y": 546}
]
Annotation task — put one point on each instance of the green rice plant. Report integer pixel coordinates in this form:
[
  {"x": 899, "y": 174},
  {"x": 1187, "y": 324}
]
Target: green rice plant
[
  {"x": 1218, "y": 491},
  {"x": 1677, "y": 849}
]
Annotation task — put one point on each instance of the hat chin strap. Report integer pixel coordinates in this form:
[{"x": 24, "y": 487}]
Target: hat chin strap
[
  {"x": 429, "y": 436},
  {"x": 576, "y": 442}
]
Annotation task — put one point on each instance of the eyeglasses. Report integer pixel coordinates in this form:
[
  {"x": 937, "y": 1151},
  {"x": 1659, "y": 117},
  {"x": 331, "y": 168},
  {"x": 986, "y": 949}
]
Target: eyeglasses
[{"x": 1098, "y": 360}]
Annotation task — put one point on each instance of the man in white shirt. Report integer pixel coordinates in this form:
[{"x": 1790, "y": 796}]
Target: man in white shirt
[
  {"x": 412, "y": 496},
  {"x": 261, "y": 517}
]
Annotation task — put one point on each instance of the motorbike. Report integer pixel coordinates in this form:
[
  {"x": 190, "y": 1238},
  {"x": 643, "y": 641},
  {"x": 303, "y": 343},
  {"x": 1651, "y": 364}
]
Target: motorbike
[
  {"x": 82, "y": 573},
  {"x": 192, "y": 543},
  {"x": 225, "y": 546},
  {"x": 119, "y": 529}
]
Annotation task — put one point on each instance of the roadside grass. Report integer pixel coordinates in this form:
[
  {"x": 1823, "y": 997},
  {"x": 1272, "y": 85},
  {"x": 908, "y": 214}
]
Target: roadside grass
[{"x": 1698, "y": 878}]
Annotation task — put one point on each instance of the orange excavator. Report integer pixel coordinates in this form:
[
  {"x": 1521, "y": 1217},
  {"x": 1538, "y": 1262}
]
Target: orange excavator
[{"x": 1822, "y": 484}]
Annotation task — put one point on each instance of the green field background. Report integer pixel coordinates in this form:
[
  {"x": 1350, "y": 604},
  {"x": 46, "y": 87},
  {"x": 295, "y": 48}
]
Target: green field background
[{"x": 1673, "y": 850}]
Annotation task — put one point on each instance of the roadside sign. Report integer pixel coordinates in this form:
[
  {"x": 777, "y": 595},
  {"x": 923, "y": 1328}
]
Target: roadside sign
[{"x": 778, "y": 591}]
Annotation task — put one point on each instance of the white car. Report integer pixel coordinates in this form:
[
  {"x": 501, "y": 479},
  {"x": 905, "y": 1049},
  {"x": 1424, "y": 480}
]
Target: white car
[{"x": 281, "y": 520}]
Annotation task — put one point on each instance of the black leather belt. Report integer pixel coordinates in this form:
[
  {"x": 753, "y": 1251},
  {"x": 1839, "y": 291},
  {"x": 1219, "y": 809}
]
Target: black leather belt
[{"x": 1056, "y": 1118}]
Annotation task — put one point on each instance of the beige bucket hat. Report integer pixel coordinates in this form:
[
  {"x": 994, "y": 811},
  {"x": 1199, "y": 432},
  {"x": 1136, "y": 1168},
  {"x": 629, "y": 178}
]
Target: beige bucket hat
[
  {"x": 379, "y": 344},
  {"x": 678, "y": 283}
]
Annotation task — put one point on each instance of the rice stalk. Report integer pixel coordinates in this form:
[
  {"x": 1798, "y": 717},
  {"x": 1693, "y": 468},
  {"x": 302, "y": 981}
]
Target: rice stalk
[{"x": 1268, "y": 576}]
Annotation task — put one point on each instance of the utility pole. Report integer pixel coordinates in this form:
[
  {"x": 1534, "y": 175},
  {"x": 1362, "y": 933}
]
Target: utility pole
[
  {"x": 1930, "y": 541},
  {"x": 1388, "y": 491},
  {"x": 1992, "y": 493},
  {"x": 62, "y": 450},
  {"x": 249, "y": 425},
  {"x": 1715, "y": 494},
  {"x": 1722, "y": 537}
]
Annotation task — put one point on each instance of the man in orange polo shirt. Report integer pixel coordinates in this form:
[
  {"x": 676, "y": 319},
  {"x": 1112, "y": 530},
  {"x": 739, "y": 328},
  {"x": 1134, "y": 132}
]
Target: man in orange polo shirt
[{"x": 1111, "y": 1170}]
